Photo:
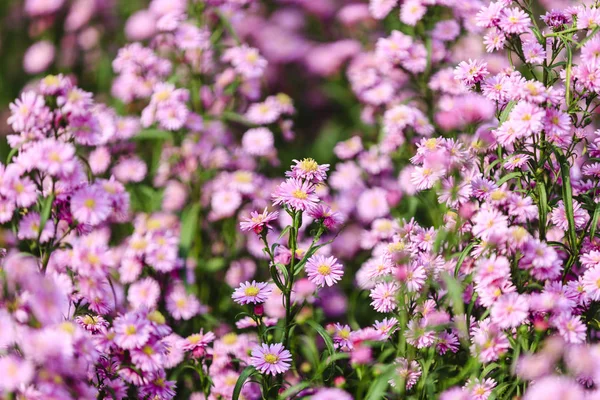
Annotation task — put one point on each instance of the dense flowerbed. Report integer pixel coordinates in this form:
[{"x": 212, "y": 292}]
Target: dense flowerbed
[{"x": 299, "y": 199}]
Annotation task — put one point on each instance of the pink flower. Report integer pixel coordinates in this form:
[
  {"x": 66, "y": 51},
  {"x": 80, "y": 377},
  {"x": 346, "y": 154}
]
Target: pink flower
[
  {"x": 15, "y": 373},
  {"x": 471, "y": 72},
  {"x": 384, "y": 296},
  {"x": 323, "y": 270},
  {"x": 480, "y": 389},
  {"x": 296, "y": 193},
  {"x": 489, "y": 221},
  {"x": 591, "y": 283},
  {"x": 559, "y": 216},
  {"x": 258, "y": 141},
  {"x": 571, "y": 328},
  {"x": 510, "y": 310},
  {"x": 38, "y": 57},
  {"x": 91, "y": 205},
  {"x": 258, "y": 222},
  {"x": 514, "y": 20},
  {"x": 381, "y": 8},
  {"x": 309, "y": 170},
  {"x": 247, "y": 61},
  {"x": 131, "y": 331},
  {"x": 408, "y": 372},
  {"x": 271, "y": 359},
  {"x": 489, "y": 342},
  {"x": 527, "y": 118},
  {"x": 554, "y": 387},
  {"x": 182, "y": 305},
  {"x": 255, "y": 292},
  {"x": 144, "y": 293}
]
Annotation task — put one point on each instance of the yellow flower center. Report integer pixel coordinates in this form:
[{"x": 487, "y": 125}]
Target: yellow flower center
[
  {"x": 156, "y": 317},
  {"x": 498, "y": 195},
  {"x": 130, "y": 330},
  {"x": 230, "y": 338},
  {"x": 163, "y": 95},
  {"x": 89, "y": 203},
  {"x": 51, "y": 80},
  {"x": 271, "y": 358},
  {"x": 309, "y": 165},
  {"x": 299, "y": 194},
  {"x": 243, "y": 177},
  {"x": 251, "y": 291},
  {"x": 431, "y": 144},
  {"x": 324, "y": 269},
  {"x": 230, "y": 381}
]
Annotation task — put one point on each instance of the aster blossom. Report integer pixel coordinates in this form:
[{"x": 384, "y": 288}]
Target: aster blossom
[{"x": 271, "y": 359}]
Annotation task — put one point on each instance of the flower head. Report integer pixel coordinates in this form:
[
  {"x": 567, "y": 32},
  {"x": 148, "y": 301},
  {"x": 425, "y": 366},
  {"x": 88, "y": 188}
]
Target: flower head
[
  {"x": 255, "y": 292},
  {"x": 271, "y": 359}
]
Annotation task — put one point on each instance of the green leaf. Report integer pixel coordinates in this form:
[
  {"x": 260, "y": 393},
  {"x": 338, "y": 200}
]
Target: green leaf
[
  {"x": 508, "y": 177},
  {"x": 506, "y": 112},
  {"x": 214, "y": 264},
  {"x": 462, "y": 257},
  {"x": 567, "y": 197},
  {"x": 293, "y": 390},
  {"x": 594, "y": 225},
  {"x": 11, "y": 154},
  {"x": 321, "y": 331},
  {"x": 455, "y": 291},
  {"x": 153, "y": 134},
  {"x": 189, "y": 227},
  {"x": 246, "y": 373},
  {"x": 46, "y": 209},
  {"x": 379, "y": 387}
]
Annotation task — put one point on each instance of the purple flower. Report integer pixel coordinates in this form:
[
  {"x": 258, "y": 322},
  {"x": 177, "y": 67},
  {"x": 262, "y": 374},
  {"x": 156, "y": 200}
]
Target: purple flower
[
  {"x": 255, "y": 292},
  {"x": 271, "y": 359},
  {"x": 296, "y": 193},
  {"x": 131, "y": 331},
  {"x": 91, "y": 205},
  {"x": 258, "y": 222},
  {"x": 324, "y": 271}
]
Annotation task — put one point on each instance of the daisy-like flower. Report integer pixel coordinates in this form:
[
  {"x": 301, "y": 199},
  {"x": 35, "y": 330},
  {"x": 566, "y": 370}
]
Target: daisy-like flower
[
  {"x": 246, "y": 61},
  {"x": 380, "y": 8},
  {"x": 309, "y": 170},
  {"x": 528, "y": 118},
  {"x": 131, "y": 331},
  {"x": 480, "y": 389},
  {"x": 510, "y": 310},
  {"x": 591, "y": 283},
  {"x": 489, "y": 221},
  {"x": 91, "y": 205},
  {"x": 198, "y": 340},
  {"x": 408, "y": 372},
  {"x": 514, "y": 20},
  {"x": 571, "y": 328},
  {"x": 258, "y": 141},
  {"x": 271, "y": 359},
  {"x": 16, "y": 373},
  {"x": 323, "y": 270},
  {"x": 471, "y": 72},
  {"x": 258, "y": 222},
  {"x": 534, "y": 52},
  {"x": 387, "y": 327},
  {"x": 144, "y": 293},
  {"x": 342, "y": 337},
  {"x": 384, "y": 296},
  {"x": 296, "y": 193},
  {"x": 255, "y": 292},
  {"x": 559, "y": 216},
  {"x": 331, "y": 219}
]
